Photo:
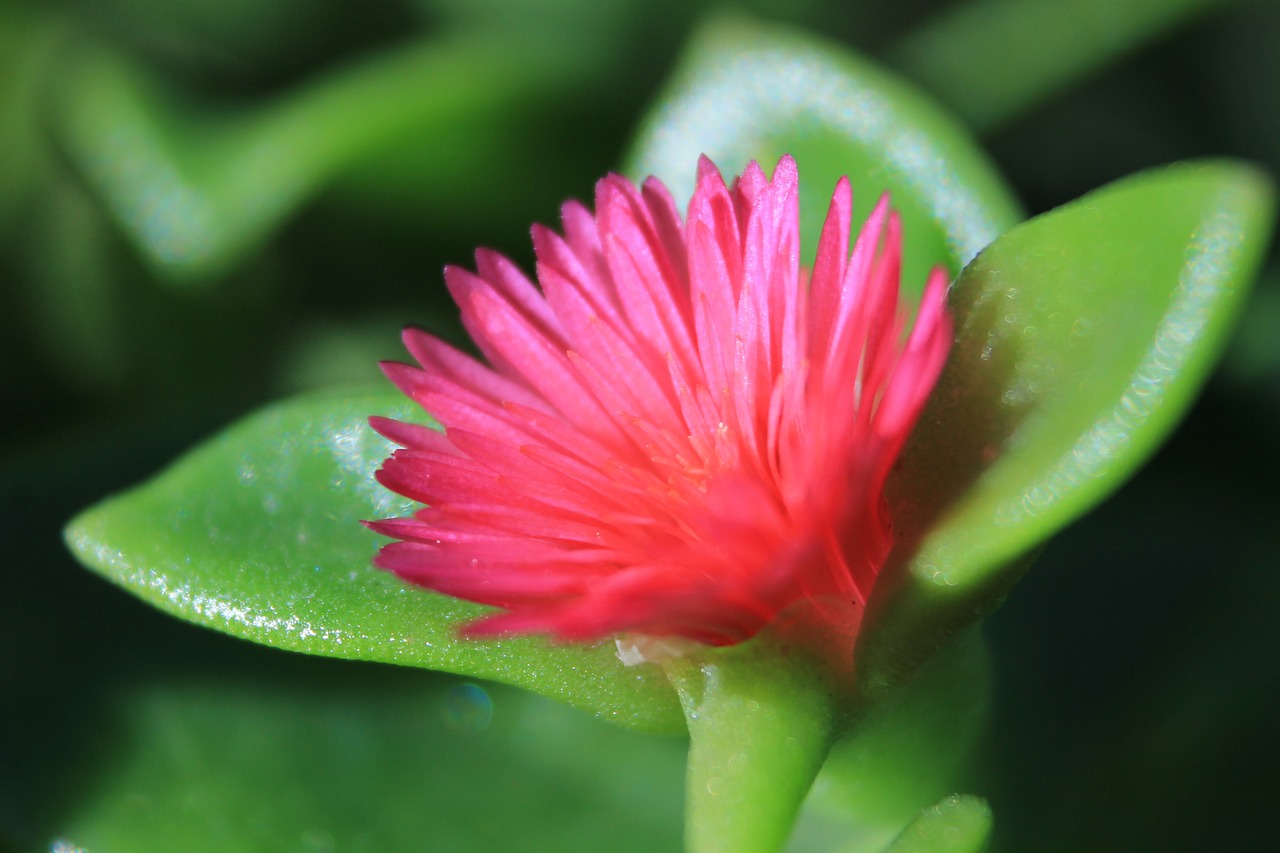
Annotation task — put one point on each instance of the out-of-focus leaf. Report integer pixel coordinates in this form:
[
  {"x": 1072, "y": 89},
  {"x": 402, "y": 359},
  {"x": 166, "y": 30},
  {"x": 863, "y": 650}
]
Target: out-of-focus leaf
[
  {"x": 1082, "y": 337},
  {"x": 907, "y": 753},
  {"x": 257, "y": 534},
  {"x": 325, "y": 354},
  {"x": 367, "y": 766},
  {"x": 990, "y": 59},
  {"x": 231, "y": 34},
  {"x": 74, "y": 300},
  {"x": 746, "y": 91},
  {"x": 196, "y": 190},
  {"x": 1254, "y": 358},
  {"x": 28, "y": 45},
  {"x": 958, "y": 824},
  {"x": 587, "y": 22}
]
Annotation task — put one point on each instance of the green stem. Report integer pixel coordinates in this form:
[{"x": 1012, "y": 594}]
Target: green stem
[
  {"x": 761, "y": 719},
  {"x": 990, "y": 59}
]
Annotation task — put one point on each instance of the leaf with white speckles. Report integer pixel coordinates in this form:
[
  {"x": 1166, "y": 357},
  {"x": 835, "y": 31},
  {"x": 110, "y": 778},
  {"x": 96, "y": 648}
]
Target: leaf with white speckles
[{"x": 257, "y": 533}]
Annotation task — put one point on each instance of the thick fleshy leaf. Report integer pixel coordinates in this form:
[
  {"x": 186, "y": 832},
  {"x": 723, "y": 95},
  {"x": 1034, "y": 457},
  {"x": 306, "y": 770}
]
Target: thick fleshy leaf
[
  {"x": 257, "y": 534},
  {"x": 958, "y": 824},
  {"x": 749, "y": 91},
  {"x": 368, "y": 764},
  {"x": 1082, "y": 336}
]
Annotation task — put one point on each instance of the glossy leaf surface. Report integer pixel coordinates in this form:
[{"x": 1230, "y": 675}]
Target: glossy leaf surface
[
  {"x": 257, "y": 534},
  {"x": 1082, "y": 337},
  {"x": 748, "y": 91}
]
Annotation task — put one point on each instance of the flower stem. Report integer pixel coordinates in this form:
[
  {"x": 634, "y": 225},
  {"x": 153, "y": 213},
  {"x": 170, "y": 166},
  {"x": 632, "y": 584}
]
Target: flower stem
[{"x": 761, "y": 721}]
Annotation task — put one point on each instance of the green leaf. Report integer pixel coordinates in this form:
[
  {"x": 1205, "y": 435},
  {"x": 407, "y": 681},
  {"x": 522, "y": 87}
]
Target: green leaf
[
  {"x": 257, "y": 534},
  {"x": 958, "y": 824},
  {"x": 991, "y": 59},
  {"x": 906, "y": 752},
  {"x": 371, "y": 764},
  {"x": 750, "y": 91},
  {"x": 1082, "y": 337},
  {"x": 196, "y": 190}
]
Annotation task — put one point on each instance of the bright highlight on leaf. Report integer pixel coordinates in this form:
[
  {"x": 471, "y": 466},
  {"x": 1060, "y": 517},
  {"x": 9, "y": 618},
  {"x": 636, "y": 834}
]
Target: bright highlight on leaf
[{"x": 682, "y": 434}]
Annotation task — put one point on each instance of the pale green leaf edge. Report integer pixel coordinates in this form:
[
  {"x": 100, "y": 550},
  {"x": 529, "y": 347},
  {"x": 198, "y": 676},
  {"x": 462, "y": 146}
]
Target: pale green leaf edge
[
  {"x": 1221, "y": 258},
  {"x": 742, "y": 82}
]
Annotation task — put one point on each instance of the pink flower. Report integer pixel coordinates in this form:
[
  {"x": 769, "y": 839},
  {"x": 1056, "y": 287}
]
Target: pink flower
[{"x": 681, "y": 433}]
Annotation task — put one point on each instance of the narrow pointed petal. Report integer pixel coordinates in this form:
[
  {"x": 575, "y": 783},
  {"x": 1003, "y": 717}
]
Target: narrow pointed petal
[{"x": 679, "y": 432}]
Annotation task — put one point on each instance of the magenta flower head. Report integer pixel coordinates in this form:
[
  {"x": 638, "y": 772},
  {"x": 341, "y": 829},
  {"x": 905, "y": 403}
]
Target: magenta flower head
[{"x": 681, "y": 432}]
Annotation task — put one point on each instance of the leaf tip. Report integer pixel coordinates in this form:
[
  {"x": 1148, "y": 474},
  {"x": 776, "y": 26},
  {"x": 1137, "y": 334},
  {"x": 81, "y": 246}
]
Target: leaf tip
[
  {"x": 960, "y": 823},
  {"x": 83, "y": 537}
]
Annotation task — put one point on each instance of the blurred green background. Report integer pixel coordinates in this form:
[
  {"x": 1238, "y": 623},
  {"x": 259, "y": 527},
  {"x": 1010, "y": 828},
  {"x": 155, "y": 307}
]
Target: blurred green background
[{"x": 206, "y": 206}]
